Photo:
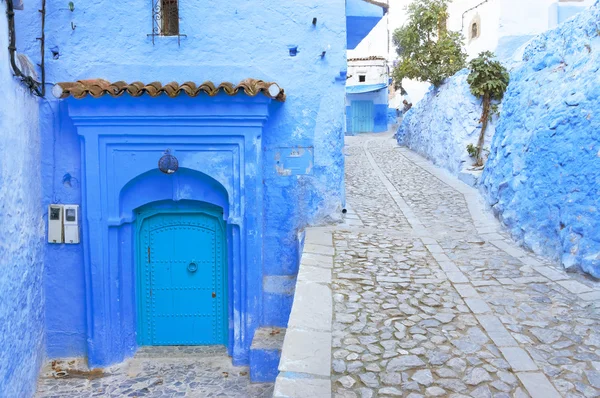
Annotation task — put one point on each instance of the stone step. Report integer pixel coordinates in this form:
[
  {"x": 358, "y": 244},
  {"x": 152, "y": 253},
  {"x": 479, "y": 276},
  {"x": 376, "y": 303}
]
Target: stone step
[
  {"x": 265, "y": 353},
  {"x": 181, "y": 351}
]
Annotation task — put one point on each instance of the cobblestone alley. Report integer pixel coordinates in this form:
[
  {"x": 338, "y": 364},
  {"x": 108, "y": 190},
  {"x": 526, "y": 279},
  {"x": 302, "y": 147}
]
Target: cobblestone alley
[{"x": 431, "y": 298}]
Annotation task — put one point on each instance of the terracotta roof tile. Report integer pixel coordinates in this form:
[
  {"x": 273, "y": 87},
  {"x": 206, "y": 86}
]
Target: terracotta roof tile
[
  {"x": 99, "y": 87},
  {"x": 369, "y": 58}
]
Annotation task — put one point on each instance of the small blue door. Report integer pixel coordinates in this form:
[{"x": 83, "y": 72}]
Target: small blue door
[
  {"x": 182, "y": 283},
  {"x": 362, "y": 116}
]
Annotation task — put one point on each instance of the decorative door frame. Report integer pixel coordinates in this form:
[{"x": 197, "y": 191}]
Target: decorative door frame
[{"x": 121, "y": 142}]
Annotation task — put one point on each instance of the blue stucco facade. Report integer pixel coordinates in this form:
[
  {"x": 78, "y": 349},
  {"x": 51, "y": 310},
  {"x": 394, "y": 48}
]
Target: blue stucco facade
[
  {"x": 217, "y": 142},
  {"x": 21, "y": 237},
  {"x": 542, "y": 177},
  {"x": 361, "y": 18},
  {"x": 272, "y": 167}
]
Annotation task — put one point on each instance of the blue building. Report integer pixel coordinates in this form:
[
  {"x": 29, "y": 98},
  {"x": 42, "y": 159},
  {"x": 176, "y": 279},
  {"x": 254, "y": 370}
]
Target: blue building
[
  {"x": 185, "y": 147},
  {"x": 367, "y": 95}
]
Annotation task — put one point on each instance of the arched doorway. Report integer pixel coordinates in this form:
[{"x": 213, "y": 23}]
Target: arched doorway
[{"x": 217, "y": 142}]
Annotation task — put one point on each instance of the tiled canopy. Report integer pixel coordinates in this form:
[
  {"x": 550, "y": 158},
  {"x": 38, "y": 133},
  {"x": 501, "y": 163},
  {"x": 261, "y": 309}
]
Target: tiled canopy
[{"x": 99, "y": 87}]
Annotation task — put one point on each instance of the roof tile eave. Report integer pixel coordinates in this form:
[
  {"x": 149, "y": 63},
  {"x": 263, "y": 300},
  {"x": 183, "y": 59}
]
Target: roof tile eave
[{"x": 98, "y": 87}]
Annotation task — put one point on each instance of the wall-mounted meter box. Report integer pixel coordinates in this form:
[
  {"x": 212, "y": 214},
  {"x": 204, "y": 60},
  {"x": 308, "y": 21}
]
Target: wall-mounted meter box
[
  {"x": 55, "y": 223},
  {"x": 71, "y": 224}
]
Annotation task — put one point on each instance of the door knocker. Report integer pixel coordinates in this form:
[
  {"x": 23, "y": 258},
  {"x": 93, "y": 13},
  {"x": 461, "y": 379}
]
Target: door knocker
[{"x": 192, "y": 267}]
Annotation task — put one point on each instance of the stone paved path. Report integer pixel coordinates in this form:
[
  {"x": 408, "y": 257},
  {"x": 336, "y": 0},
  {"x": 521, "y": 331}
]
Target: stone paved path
[
  {"x": 196, "y": 372},
  {"x": 432, "y": 298}
]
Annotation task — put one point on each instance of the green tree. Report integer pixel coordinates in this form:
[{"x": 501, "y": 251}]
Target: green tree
[
  {"x": 489, "y": 80},
  {"x": 427, "y": 51}
]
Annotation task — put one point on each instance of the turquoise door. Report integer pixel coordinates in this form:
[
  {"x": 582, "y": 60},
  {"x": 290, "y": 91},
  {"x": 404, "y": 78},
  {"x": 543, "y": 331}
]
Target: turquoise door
[
  {"x": 182, "y": 284},
  {"x": 362, "y": 116}
]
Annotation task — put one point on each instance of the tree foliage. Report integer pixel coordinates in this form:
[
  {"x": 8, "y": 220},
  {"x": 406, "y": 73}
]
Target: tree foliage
[
  {"x": 489, "y": 80},
  {"x": 488, "y": 77},
  {"x": 427, "y": 50}
]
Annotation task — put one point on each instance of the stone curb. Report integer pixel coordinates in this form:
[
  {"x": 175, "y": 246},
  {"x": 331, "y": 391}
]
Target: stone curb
[
  {"x": 490, "y": 229},
  {"x": 305, "y": 365}
]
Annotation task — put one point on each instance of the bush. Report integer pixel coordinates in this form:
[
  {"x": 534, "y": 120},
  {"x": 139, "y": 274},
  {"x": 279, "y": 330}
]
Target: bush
[{"x": 488, "y": 79}]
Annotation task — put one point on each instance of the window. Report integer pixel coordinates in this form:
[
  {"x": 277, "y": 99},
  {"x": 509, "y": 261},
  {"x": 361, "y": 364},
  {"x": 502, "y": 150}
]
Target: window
[
  {"x": 474, "y": 30},
  {"x": 169, "y": 17},
  {"x": 362, "y": 78},
  {"x": 165, "y": 19}
]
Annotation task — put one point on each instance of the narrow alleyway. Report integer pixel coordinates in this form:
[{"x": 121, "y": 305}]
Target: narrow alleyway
[{"x": 431, "y": 298}]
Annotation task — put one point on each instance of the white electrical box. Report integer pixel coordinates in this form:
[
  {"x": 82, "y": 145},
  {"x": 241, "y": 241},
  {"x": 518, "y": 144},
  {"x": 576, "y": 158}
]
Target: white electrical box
[
  {"x": 71, "y": 224},
  {"x": 55, "y": 223}
]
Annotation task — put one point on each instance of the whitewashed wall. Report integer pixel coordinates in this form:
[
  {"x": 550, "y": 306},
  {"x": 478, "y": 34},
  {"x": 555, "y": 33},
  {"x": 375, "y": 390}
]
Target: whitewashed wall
[
  {"x": 487, "y": 15},
  {"x": 375, "y": 44},
  {"x": 375, "y": 72}
]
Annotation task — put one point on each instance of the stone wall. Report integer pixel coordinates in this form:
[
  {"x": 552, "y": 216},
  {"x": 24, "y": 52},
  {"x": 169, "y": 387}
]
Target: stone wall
[
  {"x": 543, "y": 176},
  {"x": 22, "y": 233},
  {"x": 443, "y": 123}
]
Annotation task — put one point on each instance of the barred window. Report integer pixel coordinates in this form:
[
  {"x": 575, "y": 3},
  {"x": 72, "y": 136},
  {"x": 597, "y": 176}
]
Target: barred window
[{"x": 169, "y": 15}]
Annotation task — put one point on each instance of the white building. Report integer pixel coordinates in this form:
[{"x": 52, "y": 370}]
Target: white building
[
  {"x": 367, "y": 82},
  {"x": 505, "y": 26},
  {"x": 501, "y": 26},
  {"x": 367, "y": 95}
]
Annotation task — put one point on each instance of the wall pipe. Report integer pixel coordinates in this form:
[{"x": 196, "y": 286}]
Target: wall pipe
[
  {"x": 35, "y": 86},
  {"x": 42, "y": 49}
]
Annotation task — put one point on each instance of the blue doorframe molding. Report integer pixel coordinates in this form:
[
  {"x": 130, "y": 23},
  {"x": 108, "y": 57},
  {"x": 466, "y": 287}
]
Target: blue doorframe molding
[{"x": 121, "y": 142}]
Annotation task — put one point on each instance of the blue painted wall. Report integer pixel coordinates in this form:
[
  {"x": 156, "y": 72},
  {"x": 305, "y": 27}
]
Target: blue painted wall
[
  {"x": 361, "y": 17},
  {"x": 22, "y": 233},
  {"x": 543, "y": 175},
  {"x": 444, "y": 122},
  {"x": 565, "y": 12},
  {"x": 235, "y": 40}
]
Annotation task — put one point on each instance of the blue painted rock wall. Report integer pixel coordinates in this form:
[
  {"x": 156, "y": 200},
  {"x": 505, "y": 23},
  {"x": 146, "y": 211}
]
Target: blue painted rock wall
[
  {"x": 543, "y": 175},
  {"x": 226, "y": 41},
  {"x": 443, "y": 123},
  {"x": 22, "y": 233}
]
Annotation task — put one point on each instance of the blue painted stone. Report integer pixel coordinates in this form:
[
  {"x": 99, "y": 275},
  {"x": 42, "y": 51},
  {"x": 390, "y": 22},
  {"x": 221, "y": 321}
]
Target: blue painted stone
[
  {"x": 265, "y": 354},
  {"x": 444, "y": 122},
  {"x": 543, "y": 175},
  {"x": 263, "y": 365}
]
